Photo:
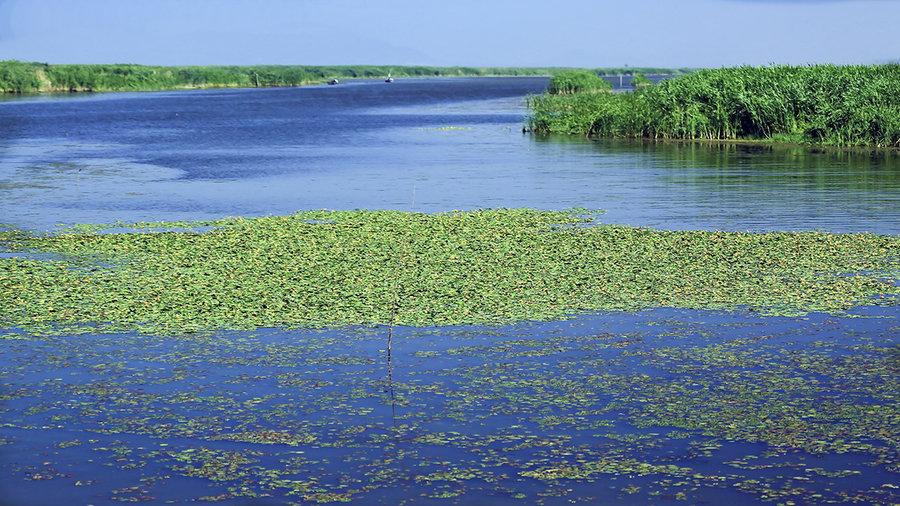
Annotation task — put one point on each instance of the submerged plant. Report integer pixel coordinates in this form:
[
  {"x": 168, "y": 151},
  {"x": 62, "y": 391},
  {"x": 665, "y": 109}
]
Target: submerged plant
[{"x": 626, "y": 407}]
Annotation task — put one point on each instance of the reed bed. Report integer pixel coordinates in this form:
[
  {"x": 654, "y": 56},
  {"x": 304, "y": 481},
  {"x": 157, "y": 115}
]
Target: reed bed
[{"x": 821, "y": 104}]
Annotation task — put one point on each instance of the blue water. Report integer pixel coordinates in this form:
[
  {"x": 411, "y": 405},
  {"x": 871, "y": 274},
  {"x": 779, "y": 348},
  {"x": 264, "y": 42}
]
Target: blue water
[
  {"x": 105, "y": 419},
  {"x": 427, "y": 144}
]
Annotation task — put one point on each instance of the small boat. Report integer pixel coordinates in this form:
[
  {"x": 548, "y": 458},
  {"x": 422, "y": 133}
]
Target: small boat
[
  {"x": 389, "y": 78},
  {"x": 333, "y": 81}
]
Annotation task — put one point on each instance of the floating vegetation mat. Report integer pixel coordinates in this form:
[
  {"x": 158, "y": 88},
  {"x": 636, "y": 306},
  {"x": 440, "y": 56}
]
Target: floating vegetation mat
[
  {"x": 636, "y": 408},
  {"x": 333, "y": 268}
]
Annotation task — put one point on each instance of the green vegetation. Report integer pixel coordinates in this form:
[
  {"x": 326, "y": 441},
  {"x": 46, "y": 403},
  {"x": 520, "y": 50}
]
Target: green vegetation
[
  {"x": 323, "y": 268},
  {"x": 24, "y": 77},
  {"x": 823, "y": 104},
  {"x": 578, "y": 81},
  {"x": 639, "y": 80},
  {"x": 19, "y": 77}
]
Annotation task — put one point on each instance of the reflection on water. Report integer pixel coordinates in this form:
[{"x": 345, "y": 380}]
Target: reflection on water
[
  {"x": 453, "y": 143},
  {"x": 733, "y": 186}
]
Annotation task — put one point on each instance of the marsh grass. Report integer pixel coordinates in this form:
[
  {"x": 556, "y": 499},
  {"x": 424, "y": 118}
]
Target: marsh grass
[
  {"x": 822, "y": 104},
  {"x": 326, "y": 268}
]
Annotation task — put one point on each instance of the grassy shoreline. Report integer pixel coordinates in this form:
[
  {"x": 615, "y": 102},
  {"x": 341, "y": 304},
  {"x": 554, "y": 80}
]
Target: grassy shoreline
[
  {"x": 818, "y": 104},
  {"x": 31, "y": 77},
  {"x": 335, "y": 268}
]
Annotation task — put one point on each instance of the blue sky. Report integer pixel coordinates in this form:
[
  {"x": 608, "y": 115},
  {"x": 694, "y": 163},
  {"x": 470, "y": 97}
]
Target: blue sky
[{"x": 574, "y": 33}]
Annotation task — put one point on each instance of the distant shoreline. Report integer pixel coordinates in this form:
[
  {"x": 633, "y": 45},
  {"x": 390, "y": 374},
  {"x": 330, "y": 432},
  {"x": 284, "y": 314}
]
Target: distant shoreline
[{"x": 18, "y": 77}]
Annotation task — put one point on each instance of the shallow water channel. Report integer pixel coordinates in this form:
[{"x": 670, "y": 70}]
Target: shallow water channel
[{"x": 645, "y": 407}]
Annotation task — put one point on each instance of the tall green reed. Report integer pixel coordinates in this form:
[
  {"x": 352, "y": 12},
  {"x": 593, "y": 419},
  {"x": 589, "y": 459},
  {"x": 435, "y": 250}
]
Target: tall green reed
[
  {"x": 578, "y": 81},
  {"x": 823, "y": 104}
]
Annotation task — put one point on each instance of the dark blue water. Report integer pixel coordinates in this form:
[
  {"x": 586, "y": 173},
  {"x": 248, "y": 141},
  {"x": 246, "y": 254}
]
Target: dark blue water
[
  {"x": 275, "y": 416},
  {"x": 431, "y": 144}
]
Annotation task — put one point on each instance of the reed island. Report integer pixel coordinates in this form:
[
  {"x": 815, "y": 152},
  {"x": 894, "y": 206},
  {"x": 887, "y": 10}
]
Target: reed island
[{"x": 851, "y": 105}]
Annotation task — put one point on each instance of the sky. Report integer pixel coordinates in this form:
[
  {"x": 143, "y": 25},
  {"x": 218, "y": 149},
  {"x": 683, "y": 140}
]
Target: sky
[{"x": 478, "y": 33}]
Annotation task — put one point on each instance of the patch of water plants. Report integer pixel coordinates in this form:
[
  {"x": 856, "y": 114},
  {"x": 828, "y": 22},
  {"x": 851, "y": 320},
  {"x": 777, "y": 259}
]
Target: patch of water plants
[
  {"x": 333, "y": 268},
  {"x": 850, "y": 105}
]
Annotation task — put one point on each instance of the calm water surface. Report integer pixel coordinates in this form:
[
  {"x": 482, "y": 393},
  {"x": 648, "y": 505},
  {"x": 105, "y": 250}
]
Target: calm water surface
[{"x": 427, "y": 144}]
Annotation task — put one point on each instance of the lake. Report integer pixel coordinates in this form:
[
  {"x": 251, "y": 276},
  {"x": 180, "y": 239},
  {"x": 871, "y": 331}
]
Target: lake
[{"x": 630, "y": 407}]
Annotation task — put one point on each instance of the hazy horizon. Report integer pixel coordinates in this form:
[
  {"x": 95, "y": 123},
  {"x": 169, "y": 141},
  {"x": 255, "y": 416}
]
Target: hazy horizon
[{"x": 501, "y": 33}]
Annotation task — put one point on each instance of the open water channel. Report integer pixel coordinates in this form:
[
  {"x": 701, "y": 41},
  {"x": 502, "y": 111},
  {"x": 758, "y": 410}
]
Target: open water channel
[{"x": 647, "y": 407}]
